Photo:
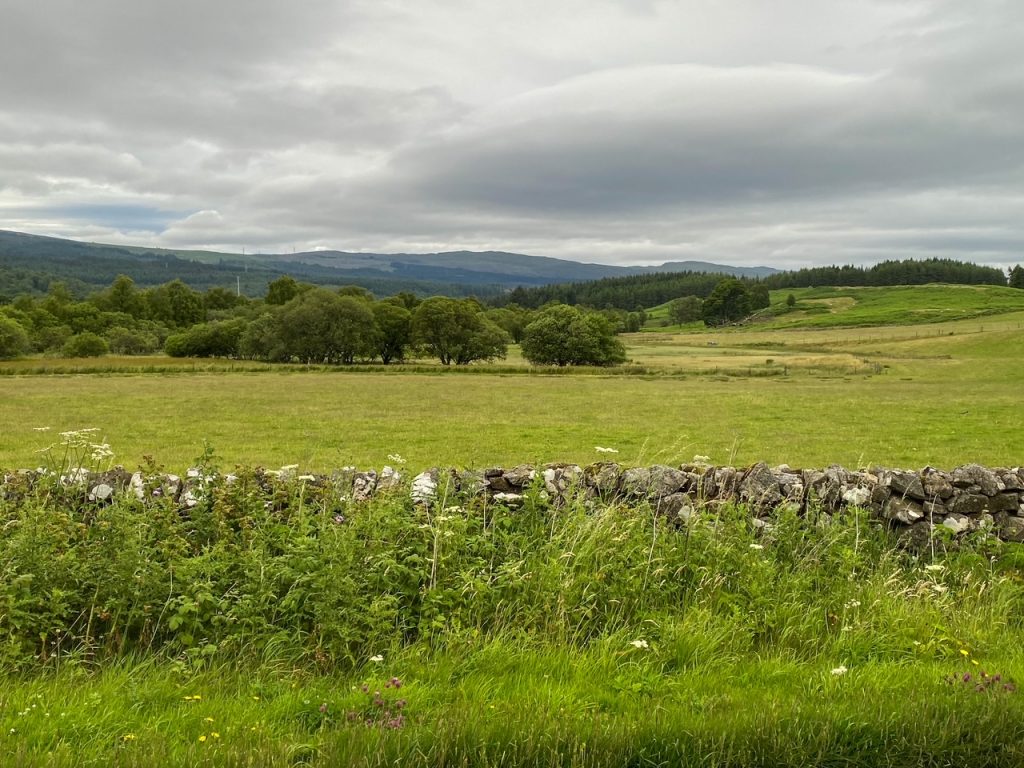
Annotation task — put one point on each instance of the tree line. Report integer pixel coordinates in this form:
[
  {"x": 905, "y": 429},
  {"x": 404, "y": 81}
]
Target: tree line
[
  {"x": 649, "y": 290},
  {"x": 300, "y": 322}
]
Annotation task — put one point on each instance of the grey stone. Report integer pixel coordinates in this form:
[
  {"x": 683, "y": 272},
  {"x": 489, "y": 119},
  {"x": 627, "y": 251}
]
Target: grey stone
[
  {"x": 605, "y": 478},
  {"x": 101, "y": 492},
  {"x": 559, "y": 479},
  {"x": 858, "y": 496},
  {"x": 666, "y": 481},
  {"x": 389, "y": 481},
  {"x": 791, "y": 483},
  {"x": 726, "y": 480},
  {"x": 968, "y": 504},
  {"x": 824, "y": 488},
  {"x": 934, "y": 508},
  {"x": 1004, "y": 502},
  {"x": 1012, "y": 529},
  {"x": 904, "y": 484},
  {"x": 936, "y": 484},
  {"x": 363, "y": 485},
  {"x": 636, "y": 482},
  {"x": 510, "y": 500},
  {"x": 759, "y": 487},
  {"x": 424, "y": 487},
  {"x": 676, "y": 507},
  {"x": 904, "y": 510},
  {"x": 520, "y": 476},
  {"x": 975, "y": 474},
  {"x": 957, "y": 523},
  {"x": 1012, "y": 480}
]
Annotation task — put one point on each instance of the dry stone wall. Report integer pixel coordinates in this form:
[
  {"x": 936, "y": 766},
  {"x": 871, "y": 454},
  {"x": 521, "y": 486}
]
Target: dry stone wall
[{"x": 966, "y": 499}]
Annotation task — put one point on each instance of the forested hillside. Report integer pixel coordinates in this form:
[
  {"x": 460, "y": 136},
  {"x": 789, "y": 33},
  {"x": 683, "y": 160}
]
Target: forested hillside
[{"x": 650, "y": 290}]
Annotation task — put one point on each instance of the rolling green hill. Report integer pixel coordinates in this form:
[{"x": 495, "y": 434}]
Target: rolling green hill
[{"x": 870, "y": 306}]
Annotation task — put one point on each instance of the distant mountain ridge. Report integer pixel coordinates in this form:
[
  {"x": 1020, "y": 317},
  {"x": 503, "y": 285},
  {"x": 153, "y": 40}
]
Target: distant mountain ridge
[{"x": 28, "y": 263}]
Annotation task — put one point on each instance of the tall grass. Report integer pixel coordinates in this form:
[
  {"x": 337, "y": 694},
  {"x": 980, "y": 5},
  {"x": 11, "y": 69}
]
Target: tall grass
[{"x": 585, "y": 634}]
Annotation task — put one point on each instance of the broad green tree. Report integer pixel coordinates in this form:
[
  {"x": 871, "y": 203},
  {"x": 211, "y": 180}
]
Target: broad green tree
[
  {"x": 282, "y": 290},
  {"x": 685, "y": 309},
  {"x": 394, "y": 330},
  {"x": 1017, "y": 277},
  {"x": 456, "y": 331},
  {"x": 319, "y": 326},
  {"x": 14, "y": 341},
  {"x": 565, "y": 335},
  {"x": 176, "y": 305},
  {"x": 728, "y": 303},
  {"x": 87, "y": 344},
  {"x": 217, "y": 339},
  {"x": 759, "y": 296}
]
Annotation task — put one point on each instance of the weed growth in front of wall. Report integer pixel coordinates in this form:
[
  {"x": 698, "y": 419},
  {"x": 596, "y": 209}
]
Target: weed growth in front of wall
[{"x": 574, "y": 635}]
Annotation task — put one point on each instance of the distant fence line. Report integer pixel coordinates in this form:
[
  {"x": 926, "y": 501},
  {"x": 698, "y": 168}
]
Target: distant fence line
[{"x": 954, "y": 503}]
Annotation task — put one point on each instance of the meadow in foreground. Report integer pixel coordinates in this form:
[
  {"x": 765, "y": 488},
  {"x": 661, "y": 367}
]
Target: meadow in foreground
[{"x": 276, "y": 623}]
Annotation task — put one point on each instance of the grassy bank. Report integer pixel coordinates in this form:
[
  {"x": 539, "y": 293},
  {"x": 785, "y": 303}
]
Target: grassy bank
[{"x": 243, "y": 631}]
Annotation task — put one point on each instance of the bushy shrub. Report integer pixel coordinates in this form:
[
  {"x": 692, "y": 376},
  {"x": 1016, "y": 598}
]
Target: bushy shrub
[
  {"x": 87, "y": 344},
  {"x": 14, "y": 341},
  {"x": 216, "y": 339}
]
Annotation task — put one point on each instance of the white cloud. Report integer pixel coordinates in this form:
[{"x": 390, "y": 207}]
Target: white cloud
[{"x": 781, "y": 133}]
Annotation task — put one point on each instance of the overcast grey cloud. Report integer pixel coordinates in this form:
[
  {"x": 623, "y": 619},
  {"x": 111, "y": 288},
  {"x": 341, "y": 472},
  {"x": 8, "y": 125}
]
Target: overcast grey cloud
[{"x": 787, "y": 133}]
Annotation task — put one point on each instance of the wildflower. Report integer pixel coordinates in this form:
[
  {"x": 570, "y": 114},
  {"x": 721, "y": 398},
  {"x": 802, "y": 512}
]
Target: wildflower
[
  {"x": 396, "y": 458},
  {"x": 853, "y": 604},
  {"x": 701, "y": 459},
  {"x": 639, "y": 644},
  {"x": 101, "y": 451},
  {"x": 757, "y": 546},
  {"x": 377, "y": 659},
  {"x": 208, "y": 719},
  {"x": 202, "y": 737},
  {"x": 600, "y": 449},
  {"x": 128, "y": 737},
  {"x": 840, "y": 670},
  {"x": 255, "y": 698},
  {"x": 214, "y": 734},
  {"x": 197, "y": 697},
  {"x": 934, "y": 567},
  {"x": 964, "y": 652}
]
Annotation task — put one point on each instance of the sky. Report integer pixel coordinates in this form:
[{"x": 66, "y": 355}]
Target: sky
[{"x": 779, "y": 132}]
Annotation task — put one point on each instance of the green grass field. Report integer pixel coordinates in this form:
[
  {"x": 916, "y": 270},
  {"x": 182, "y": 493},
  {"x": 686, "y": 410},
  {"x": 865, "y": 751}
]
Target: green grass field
[{"x": 938, "y": 393}]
